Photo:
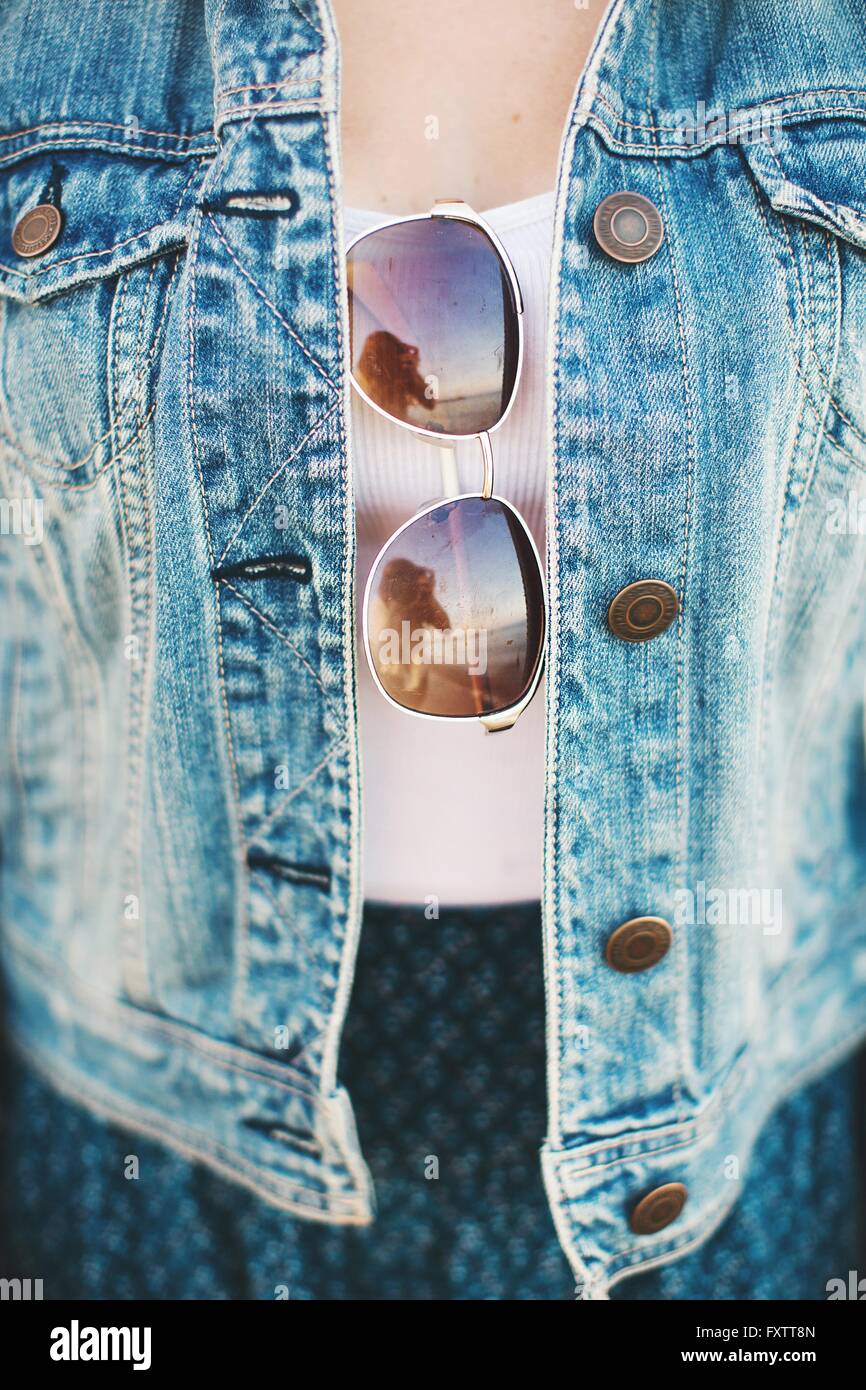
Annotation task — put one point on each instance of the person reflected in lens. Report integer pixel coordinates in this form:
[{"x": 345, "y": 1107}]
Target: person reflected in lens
[
  {"x": 405, "y": 603},
  {"x": 387, "y": 371}
]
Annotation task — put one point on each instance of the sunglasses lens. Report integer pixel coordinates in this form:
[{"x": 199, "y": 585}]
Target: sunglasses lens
[
  {"x": 433, "y": 324},
  {"x": 455, "y": 611}
]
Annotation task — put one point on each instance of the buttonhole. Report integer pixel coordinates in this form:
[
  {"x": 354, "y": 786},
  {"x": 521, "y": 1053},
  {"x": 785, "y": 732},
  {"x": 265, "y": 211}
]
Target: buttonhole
[
  {"x": 313, "y": 875},
  {"x": 295, "y": 567},
  {"x": 277, "y": 203},
  {"x": 284, "y": 1134}
]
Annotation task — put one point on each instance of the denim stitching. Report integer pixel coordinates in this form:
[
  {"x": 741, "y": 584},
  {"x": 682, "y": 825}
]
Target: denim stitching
[
  {"x": 335, "y": 747},
  {"x": 266, "y": 622},
  {"x": 351, "y": 933},
  {"x": 260, "y": 878},
  {"x": 822, "y": 376},
  {"x": 116, "y": 146},
  {"x": 652, "y": 49},
  {"x": 131, "y": 1018},
  {"x": 682, "y": 810},
  {"x": 830, "y": 400},
  {"x": 330, "y": 1205},
  {"x": 552, "y": 696},
  {"x": 834, "y": 271},
  {"x": 307, "y": 19},
  {"x": 51, "y": 464},
  {"x": 48, "y": 465},
  {"x": 756, "y": 106},
  {"x": 118, "y": 245},
  {"x": 280, "y": 317},
  {"x": 134, "y": 964},
  {"x": 771, "y": 626},
  {"x": 241, "y": 889},
  {"x": 96, "y": 479},
  {"x": 317, "y": 424},
  {"x": 708, "y": 1220},
  {"x": 80, "y": 659},
  {"x": 637, "y": 147},
  {"x": 66, "y": 124}
]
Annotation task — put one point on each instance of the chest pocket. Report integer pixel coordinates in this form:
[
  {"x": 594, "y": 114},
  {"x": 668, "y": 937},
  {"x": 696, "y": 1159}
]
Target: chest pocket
[
  {"x": 811, "y": 182},
  {"x": 81, "y": 323}
]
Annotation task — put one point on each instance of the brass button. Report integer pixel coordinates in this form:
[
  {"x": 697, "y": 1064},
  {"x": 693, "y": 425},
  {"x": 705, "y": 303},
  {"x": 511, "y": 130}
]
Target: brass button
[
  {"x": 628, "y": 227},
  {"x": 638, "y": 944},
  {"x": 37, "y": 230},
  {"x": 658, "y": 1209},
  {"x": 642, "y": 610}
]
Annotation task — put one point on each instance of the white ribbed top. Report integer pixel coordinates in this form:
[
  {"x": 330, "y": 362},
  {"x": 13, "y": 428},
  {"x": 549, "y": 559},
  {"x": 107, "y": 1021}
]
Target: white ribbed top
[{"x": 449, "y": 811}]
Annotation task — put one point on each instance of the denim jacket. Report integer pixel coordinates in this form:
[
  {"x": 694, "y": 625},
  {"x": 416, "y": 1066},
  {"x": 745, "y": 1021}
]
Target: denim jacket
[{"x": 180, "y": 889}]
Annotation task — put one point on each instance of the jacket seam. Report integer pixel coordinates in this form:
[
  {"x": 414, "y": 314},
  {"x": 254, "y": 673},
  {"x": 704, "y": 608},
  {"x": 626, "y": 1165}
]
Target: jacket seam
[
  {"x": 741, "y": 110},
  {"x": 116, "y": 146},
  {"x": 236, "y": 809},
  {"x": 62, "y": 124},
  {"x": 708, "y": 1222},
  {"x": 50, "y": 465},
  {"x": 636, "y": 147},
  {"x": 273, "y": 308},
  {"x": 282, "y": 637}
]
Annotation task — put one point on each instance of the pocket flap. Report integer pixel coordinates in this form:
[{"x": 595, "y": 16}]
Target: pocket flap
[
  {"x": 115, "y": 210},
  {"x": 816, "y": 171}
]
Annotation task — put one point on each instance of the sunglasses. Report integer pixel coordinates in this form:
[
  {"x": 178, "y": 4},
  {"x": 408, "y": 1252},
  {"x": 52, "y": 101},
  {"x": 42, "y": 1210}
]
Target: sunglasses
[{"x": 455, "y": 612}]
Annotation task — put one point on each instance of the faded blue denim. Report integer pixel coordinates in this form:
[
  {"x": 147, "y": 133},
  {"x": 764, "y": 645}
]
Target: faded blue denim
[{"x": 180, "y": 892}]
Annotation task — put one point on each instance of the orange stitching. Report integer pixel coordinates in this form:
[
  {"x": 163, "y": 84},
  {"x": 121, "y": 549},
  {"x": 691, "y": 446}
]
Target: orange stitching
[
  {"x": 266, "y": 86},
  {"x": 118, "y": 146},
  {"x": 61, "y": 124}
]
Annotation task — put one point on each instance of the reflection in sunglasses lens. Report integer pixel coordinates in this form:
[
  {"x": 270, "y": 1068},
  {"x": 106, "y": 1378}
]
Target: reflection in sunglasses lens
[
  {"x": 455, "y": 610},
  {"x": 433, "y": 325}
]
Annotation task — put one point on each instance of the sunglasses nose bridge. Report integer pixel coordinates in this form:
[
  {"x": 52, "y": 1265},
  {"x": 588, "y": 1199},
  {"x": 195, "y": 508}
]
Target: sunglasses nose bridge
[{"x": 487, "y": 457}]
